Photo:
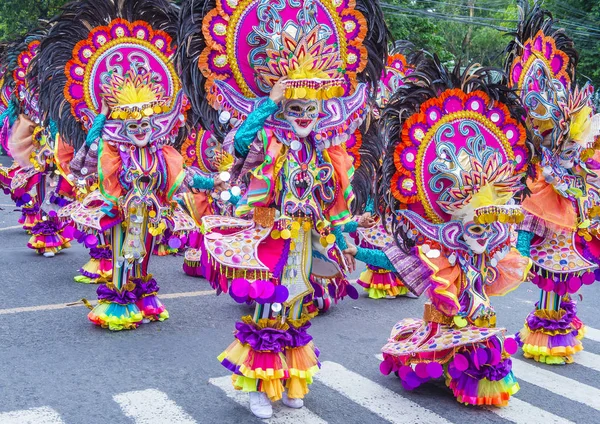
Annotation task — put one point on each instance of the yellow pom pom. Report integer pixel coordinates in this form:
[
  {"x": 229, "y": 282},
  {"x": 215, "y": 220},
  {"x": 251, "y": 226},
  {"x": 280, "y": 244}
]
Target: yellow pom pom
[
  {"x": 330, "y": 239},
  {"x": 286, "y": 234},
  {"x": 460, "y": 322}
]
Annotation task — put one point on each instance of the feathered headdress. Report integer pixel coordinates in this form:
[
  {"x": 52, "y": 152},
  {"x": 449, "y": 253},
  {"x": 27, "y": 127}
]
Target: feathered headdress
[
  {"x": 456, "y": 144},
  {"x": 324, "y": 47},
  {"x": 399, "y": 65},
  {"x": 541, "y": 63},
  {"x": 20, "y": 63},
  {"x": 117, "y": 50}
]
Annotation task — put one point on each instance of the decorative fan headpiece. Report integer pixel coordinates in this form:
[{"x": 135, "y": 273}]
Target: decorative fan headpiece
[
  {"x": 316, "y": 44},
  {"x": 27, "y": 94},
  {"x": 393, "y": 76},
  {"x": 326, "y": 49},
  {"x": 126, "y": 63},
  {"x": 459, "y": 151},
  {"x": 542, "y": 62},
  {"x": 117, "y": 51}
]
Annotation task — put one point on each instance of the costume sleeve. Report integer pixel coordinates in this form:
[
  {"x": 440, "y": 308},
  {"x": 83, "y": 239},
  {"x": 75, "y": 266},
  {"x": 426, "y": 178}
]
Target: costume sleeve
[
  {"x": 53, "y": 129},
  {"x": 524, "y": 242},
  {"x": 374, "y": 257},
  {"x": 339, "y": 237},
  {"x": 370, "y": 206},
  {"x": 96, "y": 131},
  {"x": 255, "y": 122},
  {"x": 351, "y": 227},
  {"x": 200, "y": 182}
]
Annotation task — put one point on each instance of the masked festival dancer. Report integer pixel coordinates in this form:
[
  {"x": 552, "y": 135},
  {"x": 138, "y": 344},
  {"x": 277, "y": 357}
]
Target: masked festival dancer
[
  {"x": 561, "y": 229},
  {"x": 31, "y": 143},
  {"x": 297, "y": 89},
  {"x": 381, "y": 283},
  {"x": 117, "y": 75},
  {"x": 455, "y": 164}
]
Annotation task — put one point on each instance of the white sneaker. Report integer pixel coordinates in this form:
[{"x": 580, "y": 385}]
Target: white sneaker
[
  {"x": 49, "y": 254},
  {"x": 390, "y": 297},
  {"x": 292, "y": 402},
  {"x": 260, "y": 405},
  {"x": 411, "y": 295}
]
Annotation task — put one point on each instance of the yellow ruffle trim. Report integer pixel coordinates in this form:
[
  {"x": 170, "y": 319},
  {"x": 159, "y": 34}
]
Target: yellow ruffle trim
[{"x": 115, "y": 323}]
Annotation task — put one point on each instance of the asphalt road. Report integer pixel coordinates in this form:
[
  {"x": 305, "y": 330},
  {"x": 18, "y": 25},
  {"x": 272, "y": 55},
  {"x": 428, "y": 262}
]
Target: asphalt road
[{"x": 55, "y": 359}]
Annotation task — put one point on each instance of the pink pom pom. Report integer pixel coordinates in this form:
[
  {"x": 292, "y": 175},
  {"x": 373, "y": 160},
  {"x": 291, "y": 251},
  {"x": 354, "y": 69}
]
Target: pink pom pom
[
  {"x": 240, "y": 288},
  {"x": 510, "y": 346},
  {"x": 174, "y": 243},
  {"x": 460, "y": 362},
  {"x": 421, "y": 370},
  {"x": 385, "y": 367},
  {"x": 68, "y": 232},
  {"x": 404, "y": 371},
  {"x": 588, "y": 278},
  {"x": 435, "y": 369}
]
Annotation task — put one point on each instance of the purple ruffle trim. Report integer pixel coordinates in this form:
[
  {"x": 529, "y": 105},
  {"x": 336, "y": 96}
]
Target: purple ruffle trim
[
  {"x": 299, "y": 336},
  {"x": 88, "y": 274},
  {"x": 263, "y": 339},
  {"x": 122, "y": 298},
  {"x": 536, "y": 323},
  {"x": 33, "y": 210},
  {"x": 103, "y": 252},
  {"x": 45, "y": 228},
  {"x": 143, "y": 288},
  {"x": 492, "y": 373}
]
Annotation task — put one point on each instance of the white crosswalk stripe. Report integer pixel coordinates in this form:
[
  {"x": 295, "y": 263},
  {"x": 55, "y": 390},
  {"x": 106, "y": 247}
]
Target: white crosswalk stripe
[
  {"x": 152, "y": 407},
  {"x": 556, "y": 383},
  {"x": 43, "y": 415},
  {"x": 521, "y": 412},
  {"x": 587, "y": 359},
  {"x": 377, "y": 399},
  {"x": 281, "y": 414},
  {"x": 155, "y": 407},
  {"x": 592, "y": 334}
]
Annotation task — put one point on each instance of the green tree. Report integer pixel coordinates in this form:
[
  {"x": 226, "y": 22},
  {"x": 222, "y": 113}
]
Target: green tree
[{"x": 17, "y": 17}]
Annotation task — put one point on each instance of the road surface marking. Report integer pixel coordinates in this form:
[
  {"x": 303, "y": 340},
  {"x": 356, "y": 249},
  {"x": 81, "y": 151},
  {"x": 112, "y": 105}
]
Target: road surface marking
[
  {"x": 519, "y": 411},
  {"x": 592, "y": 334},
  {"x": 381, "y": 401},
  {"x": 152, "y": 407},
  {"x": 57, "y": 306},
  {"x": 12, "y": 228},
  {"x": 556, "y": 383},
  {"x": 281, "y": 413},
  {"x": 43, "y": 415},
  {"x": 588, "y": 359}
]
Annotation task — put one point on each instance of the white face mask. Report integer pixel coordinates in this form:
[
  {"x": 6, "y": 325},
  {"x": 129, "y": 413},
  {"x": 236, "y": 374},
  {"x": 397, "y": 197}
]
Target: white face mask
[
  {"x": 302, "y": 115},
  {"x": 476, "y": 236},
  {"x": 139, "y": 131},
  {"x": 569, "y": 155}
]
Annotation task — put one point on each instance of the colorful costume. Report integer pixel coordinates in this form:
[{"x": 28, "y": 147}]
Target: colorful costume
[
  {"x": 31, "y": 144},
  {"x": 561, "y": 230},
  {"x": 453, "y": 168},
  {"x": 289, "y": 220},
  {"x": 127, "y": 64},
  {"x": 380, "y": 282}
]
